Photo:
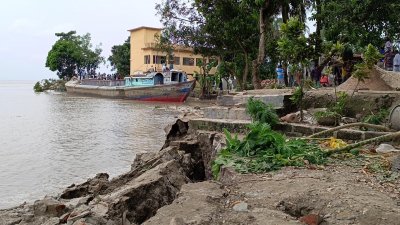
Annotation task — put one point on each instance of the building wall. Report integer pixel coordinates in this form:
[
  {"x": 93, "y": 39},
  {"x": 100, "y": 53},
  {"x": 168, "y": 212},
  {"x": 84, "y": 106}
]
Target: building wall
[{"x": 143, "y": 44}]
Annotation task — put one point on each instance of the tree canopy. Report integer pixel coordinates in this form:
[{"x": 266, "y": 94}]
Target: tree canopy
[
  {"x": 73, "y": 55},
  {"x": 120, "y": 57},
  {"x": 245, "y": 33}
]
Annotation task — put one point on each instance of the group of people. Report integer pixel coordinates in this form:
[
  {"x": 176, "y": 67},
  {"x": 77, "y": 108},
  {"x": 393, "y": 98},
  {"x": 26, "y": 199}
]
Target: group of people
[
  {"x": 321, "y": 77},
  {"x": 392, "y": 57},
  {"x": 294, "y": 76}
]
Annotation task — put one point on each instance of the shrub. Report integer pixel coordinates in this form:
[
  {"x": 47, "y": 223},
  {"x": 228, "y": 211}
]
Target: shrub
[{"x": 261, "y": 112}]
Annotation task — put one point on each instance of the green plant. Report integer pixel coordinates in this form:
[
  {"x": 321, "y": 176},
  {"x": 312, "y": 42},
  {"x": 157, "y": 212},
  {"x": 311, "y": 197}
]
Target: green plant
[
  {"x": 261, "y": 112},
  {"x": 297, "y": 99},
  {"x": 377, "y": 118},
  {"x": 264, "y": 150},
  {"x": 38, "y": 87},
  {"x": 371, "y": 56},
  {"x": 327, "y": 118},
  {"x": 340, "y": 104}
]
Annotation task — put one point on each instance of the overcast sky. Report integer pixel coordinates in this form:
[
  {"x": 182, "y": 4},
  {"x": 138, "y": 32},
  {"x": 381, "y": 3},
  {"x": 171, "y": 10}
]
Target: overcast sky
[{"x": 27, "y": 29}]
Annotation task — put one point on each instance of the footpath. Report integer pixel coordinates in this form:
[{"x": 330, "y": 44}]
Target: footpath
[{"x": 174, "y": 186}]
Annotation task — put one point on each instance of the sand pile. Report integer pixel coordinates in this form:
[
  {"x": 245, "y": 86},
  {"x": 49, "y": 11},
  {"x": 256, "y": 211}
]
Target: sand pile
[{"x": 379, "y": 80}]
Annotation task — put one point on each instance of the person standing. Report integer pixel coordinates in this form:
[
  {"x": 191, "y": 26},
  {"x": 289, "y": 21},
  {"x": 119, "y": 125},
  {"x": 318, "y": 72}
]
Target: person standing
[
  {"x": 396, "y": 61},
  {"x": 388, "y": 54},
  {"x": 280, "y": 75}
]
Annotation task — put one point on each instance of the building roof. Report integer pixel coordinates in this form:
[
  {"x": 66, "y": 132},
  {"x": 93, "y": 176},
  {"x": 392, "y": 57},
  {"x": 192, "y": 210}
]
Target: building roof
[{"x": 144, "y": 27}]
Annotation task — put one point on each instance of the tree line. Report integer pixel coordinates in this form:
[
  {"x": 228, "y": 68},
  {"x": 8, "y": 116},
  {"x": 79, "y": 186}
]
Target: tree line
[
  {"x": 75, "y": 55},
  {"x": 252, "y": 36},
  {"x": 249, "y": 36}
]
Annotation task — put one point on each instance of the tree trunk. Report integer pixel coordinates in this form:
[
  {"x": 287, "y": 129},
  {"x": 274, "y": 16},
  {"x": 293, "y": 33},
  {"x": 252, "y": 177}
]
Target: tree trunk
[
  {"x": 261, "y": 46},
  {"x": 246, "y": 66},
  {"x": 318, "y": 41}
]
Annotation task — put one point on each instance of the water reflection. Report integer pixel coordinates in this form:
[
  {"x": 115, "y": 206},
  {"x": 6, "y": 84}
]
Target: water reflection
[{"x": 49, "y": 141}]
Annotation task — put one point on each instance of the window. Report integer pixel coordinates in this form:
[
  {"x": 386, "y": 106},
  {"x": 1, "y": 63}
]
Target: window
[
  {"x": 147, "y": 59},
  {"x": 199, "y": 62},
  {"x": 188, "y": 61},
  {"x": 158, "y": 59},
  {"x": 177, "y": 61}
]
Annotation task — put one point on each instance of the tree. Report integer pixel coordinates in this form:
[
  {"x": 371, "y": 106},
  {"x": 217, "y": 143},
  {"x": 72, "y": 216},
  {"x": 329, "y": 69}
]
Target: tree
[
  {"x": 293, "y": 48},
  {"x": 120, "y": 58},
  {"x": 360, "y": 22},
  {"x": 224, "y": 28},
  {"x": 72, "y": 55}
]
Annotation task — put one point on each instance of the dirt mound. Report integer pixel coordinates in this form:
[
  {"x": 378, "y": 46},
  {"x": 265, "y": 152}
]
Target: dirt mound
[{"x": 374, "y": 83}]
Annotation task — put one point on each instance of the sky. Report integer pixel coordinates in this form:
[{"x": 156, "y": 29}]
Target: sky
[{"x": 27, "y": 29}]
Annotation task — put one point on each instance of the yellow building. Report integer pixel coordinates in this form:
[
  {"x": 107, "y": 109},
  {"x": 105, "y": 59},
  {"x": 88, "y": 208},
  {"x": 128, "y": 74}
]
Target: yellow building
[{"x": 145, "y": 55}]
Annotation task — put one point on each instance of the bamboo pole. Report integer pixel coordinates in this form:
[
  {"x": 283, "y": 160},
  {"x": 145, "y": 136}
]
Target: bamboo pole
[{"x": 378, "y": 127}]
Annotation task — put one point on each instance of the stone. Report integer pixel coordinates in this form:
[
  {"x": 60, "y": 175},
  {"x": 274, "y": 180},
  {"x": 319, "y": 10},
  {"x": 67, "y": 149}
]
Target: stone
[
  {"x": 92, "y": 186},
  {"x": 143, "y": 196},
  {"x": 311, "y": 219},
  {"x": 48, "y": 207},
  {"x": 290, "y": 118},
  {"x": 64, "y": 218},
  {"x": 177, "y": 221},
  {"x": 52, "y": 221},
  {"x": 241, "y": 207},
  {"x": 386, "y": 148},
  {"x": 28, "y": 217},
  {"x": 78, "y": 213}
]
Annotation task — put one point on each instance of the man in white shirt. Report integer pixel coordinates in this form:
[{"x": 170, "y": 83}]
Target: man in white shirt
[{"x": 396, "y": 62}]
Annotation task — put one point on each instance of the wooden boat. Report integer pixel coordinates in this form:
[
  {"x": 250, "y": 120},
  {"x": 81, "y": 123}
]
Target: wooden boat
[{"x": 170, "y": 86}]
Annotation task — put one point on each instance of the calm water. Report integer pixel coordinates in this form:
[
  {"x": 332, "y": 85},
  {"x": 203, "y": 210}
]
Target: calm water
[{"x": 48, "y": 141}]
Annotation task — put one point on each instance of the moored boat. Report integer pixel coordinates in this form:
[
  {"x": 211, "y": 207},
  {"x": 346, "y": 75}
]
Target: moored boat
[{"x": 170, "y": 86}]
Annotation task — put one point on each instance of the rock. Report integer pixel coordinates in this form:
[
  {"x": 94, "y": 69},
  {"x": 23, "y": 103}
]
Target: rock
[
  {"x": 76, "y": 202},
  {"x": 143, "y": 196},
  {"x": 347, "y": 120},
  {"x": 311, "y": 219},
  {"x": 81, "y": 222},
  {"x": 28, "y": 217},
  {"x": 386, "y": 148},
  {"x": 52, "y": 221},
  {"x": 240, "y": 207},
  {"x": 92, "y": 186},
  {"x": 48, "y": 207},
  {"x": 290, "y": 118},
  {"x": 64, "y": 218},
  {"x": 177, "y": 221},
  {"x": 78, "y": 213}
]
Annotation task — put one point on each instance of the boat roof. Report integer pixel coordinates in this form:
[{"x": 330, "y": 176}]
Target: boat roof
[{"x": 152, "y": 74}]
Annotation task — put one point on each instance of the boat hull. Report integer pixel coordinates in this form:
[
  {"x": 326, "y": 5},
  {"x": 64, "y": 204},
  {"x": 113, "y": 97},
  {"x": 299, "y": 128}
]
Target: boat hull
[{"x": 177, "y": 92}]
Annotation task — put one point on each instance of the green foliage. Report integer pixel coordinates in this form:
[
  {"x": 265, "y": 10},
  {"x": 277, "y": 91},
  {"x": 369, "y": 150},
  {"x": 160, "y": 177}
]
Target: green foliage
[
  {"x": 371, "y": 56},
  {"x": 378, "y": 118},
  {"x": 292, "y": 45},
  {"x": 340, "y": 104},
  {"x": 324, "y": 114},
  {"x": 72, "y": 54},
  {"x": 297, "y": 96},
  {"x": 264, "y": 150},
  {"x": 38, "y": 87},
  {"x": 359, "y": 22},
  {"x": 120, "y": 58},
  {"x": 261, "y": 112},
  {"x": 49, "y": 84}
]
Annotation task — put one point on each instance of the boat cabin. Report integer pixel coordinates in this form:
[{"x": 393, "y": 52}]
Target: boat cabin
[{"x": 156, "y": 78}]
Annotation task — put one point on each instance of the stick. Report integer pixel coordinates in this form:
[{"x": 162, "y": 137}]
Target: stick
[{"x": 378, "y": 127}]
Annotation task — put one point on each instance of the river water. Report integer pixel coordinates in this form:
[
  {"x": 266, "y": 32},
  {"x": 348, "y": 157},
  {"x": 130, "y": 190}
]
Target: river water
[{"x": 50, "y": 140}]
